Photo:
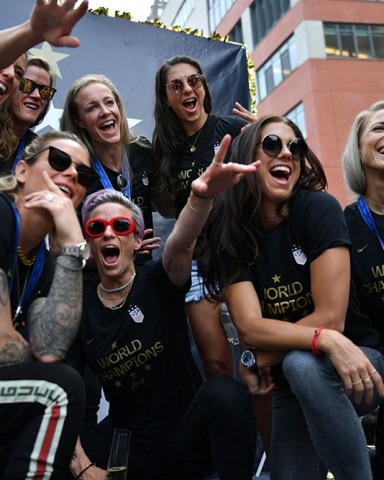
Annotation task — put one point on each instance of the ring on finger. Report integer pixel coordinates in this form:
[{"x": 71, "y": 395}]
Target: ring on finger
[
  {"x": 373, "y": 371},
  {"x": 218, "y": 164},
  {"x": 367, "y": 380},
  {"x": 49, "y": 197},
  {"x": 357, "y": 382}
]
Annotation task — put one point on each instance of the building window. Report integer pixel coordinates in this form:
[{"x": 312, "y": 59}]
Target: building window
[
  {"x": 184, "y": 13},
  {"x": 264, "y": 15},
  {"x": 297, "y": 116},
  {"x": 236, "y": 35},
  {"x": 277, "y": 68},
  {"x": 217, "y": 9},
  {"x": 363, "y": 42}
]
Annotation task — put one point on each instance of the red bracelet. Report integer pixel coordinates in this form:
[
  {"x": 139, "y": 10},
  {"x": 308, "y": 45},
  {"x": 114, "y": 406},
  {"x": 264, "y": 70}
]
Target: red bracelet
[{"x": 315, "y": 350}]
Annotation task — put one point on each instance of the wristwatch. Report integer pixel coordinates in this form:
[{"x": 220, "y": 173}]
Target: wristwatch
[
  {"x": 80, "y": 250},
  {"x": 248, "y": 359}
]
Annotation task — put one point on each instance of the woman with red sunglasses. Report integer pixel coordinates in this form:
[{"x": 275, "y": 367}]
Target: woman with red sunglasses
[
  {"x": 134, "y": 336},
  {"x": 41, "y": 400},
  {"x": 280, "y": 257}
]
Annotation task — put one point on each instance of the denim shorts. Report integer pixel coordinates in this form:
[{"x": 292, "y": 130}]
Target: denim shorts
[{"x": 197, "y": 291}]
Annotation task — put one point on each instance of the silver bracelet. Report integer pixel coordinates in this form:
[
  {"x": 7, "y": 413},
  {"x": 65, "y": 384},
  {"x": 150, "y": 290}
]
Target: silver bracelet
[{"x": 63, "y": 261}]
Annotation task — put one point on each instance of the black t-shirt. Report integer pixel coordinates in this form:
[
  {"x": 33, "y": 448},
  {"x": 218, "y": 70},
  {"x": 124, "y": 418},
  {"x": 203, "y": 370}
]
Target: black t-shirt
[
  {"x": 7, "y": 252},
  {"x": 222, "y": 126},
  {"x": 140, "y": 353},
  {"x": 281, "y": 271},
  {"x": 367, "y": 258},
  {"x": 6, "y": 169}
]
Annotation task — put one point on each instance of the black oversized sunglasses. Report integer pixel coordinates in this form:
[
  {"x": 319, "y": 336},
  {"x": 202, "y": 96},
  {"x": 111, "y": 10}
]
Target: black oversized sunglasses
[
  {"x": 27, "y": 86},
  {"x": 60, "y": 161},
  {"x": 195, "y": 81},
  {"x": 96, "y": 227},
  {"x": 272, "y": 145}
]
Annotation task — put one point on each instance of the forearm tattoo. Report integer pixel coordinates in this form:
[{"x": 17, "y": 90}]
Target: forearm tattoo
[
  {"x": 13, "y": 348},
  {"x": 53, "y": 321}
]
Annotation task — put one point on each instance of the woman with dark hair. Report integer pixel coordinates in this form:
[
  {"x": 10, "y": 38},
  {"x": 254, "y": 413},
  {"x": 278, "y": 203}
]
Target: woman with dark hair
[
  {"x": 185, "y": 139},
  {"x": 41, "y": 400},
  {"x": 276, "y": 249}
]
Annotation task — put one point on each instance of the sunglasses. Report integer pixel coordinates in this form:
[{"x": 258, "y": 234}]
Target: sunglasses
[
  {"x": 272, "y": 145},
  {"x": 27, "y": 86},
  {"x": 96, "y": 227},
  {"x": 195, "y": 81},
  {"x": 60, "y": 161}
]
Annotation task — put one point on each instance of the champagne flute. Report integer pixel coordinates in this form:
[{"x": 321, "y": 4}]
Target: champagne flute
[{"x": 118, "y": 455}]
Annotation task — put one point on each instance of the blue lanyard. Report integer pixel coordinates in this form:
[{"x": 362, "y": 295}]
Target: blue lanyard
[
  {"x": 36, "y": 271},
  {"x": 366, "y": 214},
  {"x": 104, "y": 177},
  {"x": 20, "y": 150}
]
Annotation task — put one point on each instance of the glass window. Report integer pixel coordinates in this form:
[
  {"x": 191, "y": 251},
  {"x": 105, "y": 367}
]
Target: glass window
[
  {"x": 378, "y": 41},
  {"x": 217, "y": 9},
  {"x": 297, "y": 116},
  {"x": 277, "y": 68},
  {"x": 236, "y": 35},
  {"x": 354, "y": 41},
  {"x": 184, "y": 13},
  {"x": 265, "y": 14}
]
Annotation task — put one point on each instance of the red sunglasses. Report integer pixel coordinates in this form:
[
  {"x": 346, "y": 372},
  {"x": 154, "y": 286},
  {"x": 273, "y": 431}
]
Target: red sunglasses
[{"x": 96, "y": 227}]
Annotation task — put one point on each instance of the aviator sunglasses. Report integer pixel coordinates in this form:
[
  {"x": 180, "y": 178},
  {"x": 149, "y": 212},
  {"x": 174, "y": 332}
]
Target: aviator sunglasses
[
  {"x": 195, "y": 81},
  {"x": 60, "y": 161},
  {"x": 96, "y": 227},
  {"x": 27, "y": 86},
  {"x": 272, "y": 145}
]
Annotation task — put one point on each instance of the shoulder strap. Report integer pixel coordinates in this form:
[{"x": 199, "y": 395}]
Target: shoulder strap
[{"x": 211, "y": 122}]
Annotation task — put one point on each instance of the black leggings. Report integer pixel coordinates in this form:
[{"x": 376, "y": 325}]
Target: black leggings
[
  {"x": 217, "y": 433},
  {"x": 41, "y": 410}
]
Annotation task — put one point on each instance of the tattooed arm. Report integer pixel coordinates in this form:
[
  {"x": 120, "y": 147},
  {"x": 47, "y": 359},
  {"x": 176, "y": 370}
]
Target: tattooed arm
[
  {"x": 53, "y": 321},
  {"x": 13, "y": 348}
]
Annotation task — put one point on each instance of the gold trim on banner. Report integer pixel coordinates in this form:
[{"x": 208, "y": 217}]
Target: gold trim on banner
[{"x": 198, "y": 33}]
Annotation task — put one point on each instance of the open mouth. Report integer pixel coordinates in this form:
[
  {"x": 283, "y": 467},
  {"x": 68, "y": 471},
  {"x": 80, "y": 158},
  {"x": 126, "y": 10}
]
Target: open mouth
[
  {"x": 3, "y": 88},
  {"x": 190, "y": 103},
  {"x": 281, "y": 173},
  {"x": 67, "y": 191},
  {"x": 31, "y": 106},
  {"x": 110, "y": 254},
  {"x": 108, "y": 126}
]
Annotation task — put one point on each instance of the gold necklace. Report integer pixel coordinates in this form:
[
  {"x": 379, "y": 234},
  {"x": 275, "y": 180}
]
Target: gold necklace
[
  {"x": 28, "y": 262},
  {"x": 192, "y": 146}
]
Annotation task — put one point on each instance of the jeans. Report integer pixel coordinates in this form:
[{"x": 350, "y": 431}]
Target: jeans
[{"x": 316, "y": 425}]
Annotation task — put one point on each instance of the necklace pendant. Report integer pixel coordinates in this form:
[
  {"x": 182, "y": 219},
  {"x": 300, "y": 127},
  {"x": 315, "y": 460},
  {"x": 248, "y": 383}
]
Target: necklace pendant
[
  {"x": 192, "y": 149},
  {"x": 122, "y": 182}
]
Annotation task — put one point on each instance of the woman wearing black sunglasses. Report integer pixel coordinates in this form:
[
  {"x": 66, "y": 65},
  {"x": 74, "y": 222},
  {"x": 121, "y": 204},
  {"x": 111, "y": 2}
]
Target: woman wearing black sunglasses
[
  {"x": 134, "y": 336},
  {"x": 41, "y": 400},
  {"x": 277, "y": 247},
  {"x": 26, "y": 108}
]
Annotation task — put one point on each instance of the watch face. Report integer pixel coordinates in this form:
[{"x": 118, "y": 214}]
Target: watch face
[
  {"x": 85, "y": 250},
  {"x": 247, "y": 358}
]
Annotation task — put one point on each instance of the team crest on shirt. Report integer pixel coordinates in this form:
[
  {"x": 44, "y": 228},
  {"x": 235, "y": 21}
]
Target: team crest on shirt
[
  {"x": 136, "y": 314},
  {"x": 216, "y": 147},
  {"x": 145, "y": 179},
  {"x": 299, "y": 255}
]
